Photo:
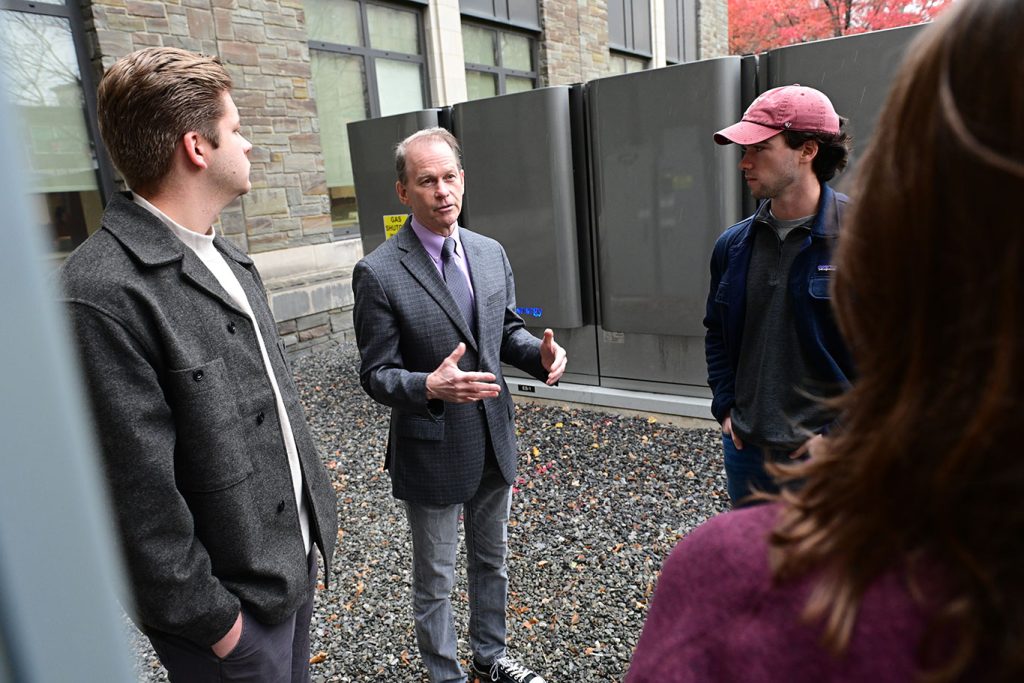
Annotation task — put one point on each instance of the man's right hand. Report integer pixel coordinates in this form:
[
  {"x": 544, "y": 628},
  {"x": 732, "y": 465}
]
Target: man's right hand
[
  {"x": 223, "y": 647},
  {"x": 449, "y": 383},
  {"x": 727, "y": 429}
]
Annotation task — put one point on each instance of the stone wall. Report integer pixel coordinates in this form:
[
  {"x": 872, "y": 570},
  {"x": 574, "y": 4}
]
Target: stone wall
[
  {"x": 574, "y": 43},
  {"x": 712, "y": 28},
  {"x": 263, "y": 44}
]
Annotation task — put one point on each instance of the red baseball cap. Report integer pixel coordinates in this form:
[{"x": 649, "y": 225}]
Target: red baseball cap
[{"x": 791, "y": 107}]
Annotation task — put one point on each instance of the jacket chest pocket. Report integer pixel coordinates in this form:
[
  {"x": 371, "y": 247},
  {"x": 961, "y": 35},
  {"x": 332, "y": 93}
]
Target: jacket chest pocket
[
  {"x": 416, "y": 427},
  {"x": 210, "y": 450},
  {"x": 818, "y": 287}
]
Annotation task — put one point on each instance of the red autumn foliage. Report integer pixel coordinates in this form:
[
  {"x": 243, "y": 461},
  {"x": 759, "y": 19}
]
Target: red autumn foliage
[{"x": 758, "y": 25}]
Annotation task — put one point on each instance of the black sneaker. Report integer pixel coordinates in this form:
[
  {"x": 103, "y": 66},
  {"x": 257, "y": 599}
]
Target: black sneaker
[{"x": 506, "y": 670}]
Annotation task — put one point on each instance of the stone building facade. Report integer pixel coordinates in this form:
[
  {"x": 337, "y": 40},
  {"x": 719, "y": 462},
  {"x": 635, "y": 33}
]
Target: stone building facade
[{"x": 285, "y": 223}]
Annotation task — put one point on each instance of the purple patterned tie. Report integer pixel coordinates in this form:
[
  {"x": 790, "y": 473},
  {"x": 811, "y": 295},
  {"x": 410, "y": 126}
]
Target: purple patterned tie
[{"x": 456, "y": 281}]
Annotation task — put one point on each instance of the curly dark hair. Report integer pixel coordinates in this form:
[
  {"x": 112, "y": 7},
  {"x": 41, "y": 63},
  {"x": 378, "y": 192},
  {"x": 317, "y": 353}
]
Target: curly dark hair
[{"x": 833, "y": 150}]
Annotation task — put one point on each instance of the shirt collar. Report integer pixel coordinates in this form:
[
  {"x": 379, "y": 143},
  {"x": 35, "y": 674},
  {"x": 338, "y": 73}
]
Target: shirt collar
[
  {"x": 433, "y": 242},
  {"x": 191, "y": 238}
]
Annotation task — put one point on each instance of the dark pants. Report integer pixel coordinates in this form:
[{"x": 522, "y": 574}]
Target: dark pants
[
  {"x": 265, "y": 653},
  {"x": 745, "y": 471}
]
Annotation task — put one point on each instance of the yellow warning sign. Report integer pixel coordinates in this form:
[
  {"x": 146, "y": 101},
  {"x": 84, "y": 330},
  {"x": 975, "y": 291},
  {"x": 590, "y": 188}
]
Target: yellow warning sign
[{"x": 392, "y": 224}]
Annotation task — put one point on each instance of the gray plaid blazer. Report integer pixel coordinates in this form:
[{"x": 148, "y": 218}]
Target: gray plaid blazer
[{"x": 406, "y": 323}]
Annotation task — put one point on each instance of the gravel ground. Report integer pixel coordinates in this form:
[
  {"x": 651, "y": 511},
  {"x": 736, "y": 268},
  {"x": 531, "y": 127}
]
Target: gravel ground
[{"x": 600, "y": 501}]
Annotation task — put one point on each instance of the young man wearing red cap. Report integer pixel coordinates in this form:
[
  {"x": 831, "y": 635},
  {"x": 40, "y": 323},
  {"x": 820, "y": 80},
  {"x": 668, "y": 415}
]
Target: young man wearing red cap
[{"x": 773, "y": 350}]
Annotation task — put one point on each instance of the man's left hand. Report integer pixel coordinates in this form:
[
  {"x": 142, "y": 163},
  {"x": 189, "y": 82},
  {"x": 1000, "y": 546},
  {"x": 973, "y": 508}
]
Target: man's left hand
[{"x": 552, "y": 357}]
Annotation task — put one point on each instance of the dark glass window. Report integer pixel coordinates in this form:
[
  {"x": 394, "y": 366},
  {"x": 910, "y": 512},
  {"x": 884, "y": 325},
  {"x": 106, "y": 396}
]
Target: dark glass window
[
  {"x": 41, "y": 74},
  {"x": 498, "y": 61},
  {"x": 367, "y": 61}
]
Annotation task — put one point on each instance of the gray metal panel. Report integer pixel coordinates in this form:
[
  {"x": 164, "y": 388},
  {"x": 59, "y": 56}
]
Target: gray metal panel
[
  {"x": 481, "y": 7},
  {"x": 641, "y": 12},
  {"x": 674, "y": 50},
  {"x": 663, "y": 191},
  {"x": 617, "y": 23},
  {"x": 520, "y": 13},
  {"x": 372, "y": 146},
  {"x": 691, "y": 47},
  {"x": 649, "y": 362},
  {"x": 854, "y": 71},
  {"x": 680, "y": 30},
  {"x": 749, "y": 91},
  {"x": 524, "y": 12},
  {"x": 518, "y": 156},
  {"x": 60, "y": 574}
]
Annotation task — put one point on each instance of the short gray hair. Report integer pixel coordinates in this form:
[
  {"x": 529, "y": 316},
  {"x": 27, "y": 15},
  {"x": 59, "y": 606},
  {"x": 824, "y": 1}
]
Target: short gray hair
[{"x": 435, "y": 133}]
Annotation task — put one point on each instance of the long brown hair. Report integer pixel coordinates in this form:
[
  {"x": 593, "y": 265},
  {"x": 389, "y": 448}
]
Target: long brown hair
[{"x": 925, "y": 472}]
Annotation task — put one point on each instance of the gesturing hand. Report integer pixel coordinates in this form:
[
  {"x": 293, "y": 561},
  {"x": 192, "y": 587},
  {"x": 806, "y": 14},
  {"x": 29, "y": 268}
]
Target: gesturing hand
[
  {"x": 552, "y": 357},
  {"x": 451, "y": 384}
]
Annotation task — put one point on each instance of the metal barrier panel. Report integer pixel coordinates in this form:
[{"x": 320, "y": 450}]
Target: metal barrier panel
[
  {"x": 372, "y": 147},
  {"x": 517, "y": 152},
  {"x": 662, "y": 193},
  {"x": 524, "y": 181},
  {"x": 854, "y": 71}
]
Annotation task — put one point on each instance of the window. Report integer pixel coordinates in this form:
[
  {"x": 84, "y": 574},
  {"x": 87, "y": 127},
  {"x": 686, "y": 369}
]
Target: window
[
  {"x": 625, "y": 64},
  {"x": 367, "y": 61},
  {"x": 41, "y": 76},
  {"x": 497, "y": 61}
]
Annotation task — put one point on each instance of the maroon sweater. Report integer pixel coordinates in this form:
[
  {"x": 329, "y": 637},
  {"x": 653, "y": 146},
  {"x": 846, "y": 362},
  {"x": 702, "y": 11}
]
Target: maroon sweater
[{"x": 716, "y": 616}]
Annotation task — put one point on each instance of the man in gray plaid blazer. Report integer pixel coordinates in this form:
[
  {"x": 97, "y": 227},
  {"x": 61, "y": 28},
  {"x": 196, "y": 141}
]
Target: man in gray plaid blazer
[{"x": 434, "y": 319}]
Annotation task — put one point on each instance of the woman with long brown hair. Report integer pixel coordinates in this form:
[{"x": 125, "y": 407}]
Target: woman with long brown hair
[{"x": 901, "y": 555}]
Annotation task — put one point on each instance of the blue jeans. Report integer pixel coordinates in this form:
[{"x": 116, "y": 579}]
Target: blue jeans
[
  {"x": 745, "y": 472},
  {"x": 435, "y": 540}
]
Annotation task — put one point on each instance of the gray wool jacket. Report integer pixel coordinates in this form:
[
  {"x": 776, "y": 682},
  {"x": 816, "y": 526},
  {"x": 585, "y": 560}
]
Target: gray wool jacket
[{"x": 190, "y": 440}]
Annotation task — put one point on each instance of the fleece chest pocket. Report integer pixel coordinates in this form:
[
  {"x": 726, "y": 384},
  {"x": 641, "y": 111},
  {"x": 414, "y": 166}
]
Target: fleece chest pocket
[{"x": 210, "y": 451}]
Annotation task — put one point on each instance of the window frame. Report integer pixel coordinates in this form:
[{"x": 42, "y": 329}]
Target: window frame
[
  {"x": 369, "y": 55},
  {"x": 72, "y": 12},
  {"x": 500, "y": 70},
  {"x": 614, "y": 53}
]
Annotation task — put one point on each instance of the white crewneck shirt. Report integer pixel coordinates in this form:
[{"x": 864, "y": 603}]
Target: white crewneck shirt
[{"x": 203, "y": 247}]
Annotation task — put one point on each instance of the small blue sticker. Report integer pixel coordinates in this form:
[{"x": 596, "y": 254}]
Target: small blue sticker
[
  {"x": 826, "y": 268},
  {"x": 530, "y": 312}
]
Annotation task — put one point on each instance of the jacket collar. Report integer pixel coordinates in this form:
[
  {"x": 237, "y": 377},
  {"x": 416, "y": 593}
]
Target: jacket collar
[
  {"x": 148, "y": 239},
  {"x": 420, "y": 265},
  {"x": 826, "y": 219}
]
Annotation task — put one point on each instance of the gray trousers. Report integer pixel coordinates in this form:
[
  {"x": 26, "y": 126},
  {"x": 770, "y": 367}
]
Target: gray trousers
[
  {"x": 435, "y": 540},
  {"x": 277, "y": 653}
]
